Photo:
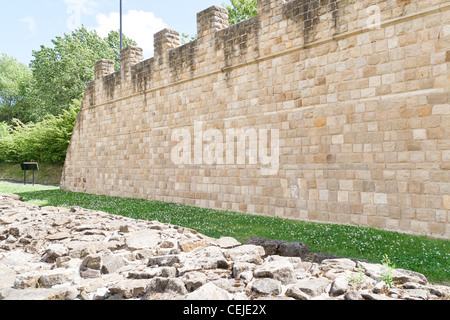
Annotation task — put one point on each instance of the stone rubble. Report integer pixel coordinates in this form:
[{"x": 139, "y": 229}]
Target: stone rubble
[{"x": 49, "y": 253}]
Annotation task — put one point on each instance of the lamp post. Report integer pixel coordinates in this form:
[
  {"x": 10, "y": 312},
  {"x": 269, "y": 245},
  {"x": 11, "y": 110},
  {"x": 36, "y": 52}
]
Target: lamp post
[{"x": 120, "y": 25}]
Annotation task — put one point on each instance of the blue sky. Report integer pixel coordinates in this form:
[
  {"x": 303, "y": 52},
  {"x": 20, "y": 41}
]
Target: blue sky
[{"x": 26, "y": 25}]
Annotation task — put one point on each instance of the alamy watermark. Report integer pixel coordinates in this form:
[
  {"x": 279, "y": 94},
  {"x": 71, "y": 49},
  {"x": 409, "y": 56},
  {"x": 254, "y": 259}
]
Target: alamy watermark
[
  {"x": 233, "y": 146},
  {"x": 374, "y": 17},
  {"x": 75, "y": 8}
]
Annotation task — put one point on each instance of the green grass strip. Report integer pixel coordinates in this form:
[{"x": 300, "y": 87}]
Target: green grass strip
[{"x": 47, "y": 173}]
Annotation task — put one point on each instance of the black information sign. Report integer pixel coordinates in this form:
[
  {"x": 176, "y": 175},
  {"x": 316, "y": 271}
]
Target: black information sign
[{"x": 28, "y": 166}]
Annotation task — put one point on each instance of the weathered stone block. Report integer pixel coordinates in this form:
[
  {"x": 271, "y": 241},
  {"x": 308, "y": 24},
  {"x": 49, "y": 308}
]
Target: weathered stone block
[
  {"x": 320, "y": 122},
  {"x": 446, "y": 201},
  {"x": 130, "y": 56},
  {"x": 211, "y": 20},
  {"x": 103, "y": 68},
  {"x": 166, "y": 40}
]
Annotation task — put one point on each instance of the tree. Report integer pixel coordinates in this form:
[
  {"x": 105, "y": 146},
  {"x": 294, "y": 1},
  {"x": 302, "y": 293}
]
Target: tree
[
  {"x": 241, "y": 10},
  {"x": 186, "y": 38},
  {"x": 238, "y": 11},
  {"x": 15, "y": 78},
  {"x": 45, "y": 141},
  {"x": 61, "y": 72}
]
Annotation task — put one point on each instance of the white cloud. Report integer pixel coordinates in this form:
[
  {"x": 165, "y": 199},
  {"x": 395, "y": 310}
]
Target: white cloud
[
  {"x": 137, "y": 25},
  {"x": 31, "y": 23},
  {"x": 75, "y": 8},
  {"x": 85, "y": 6}
]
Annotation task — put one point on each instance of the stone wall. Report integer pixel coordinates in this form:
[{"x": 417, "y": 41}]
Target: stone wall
[{"x": 350, "y": 97}]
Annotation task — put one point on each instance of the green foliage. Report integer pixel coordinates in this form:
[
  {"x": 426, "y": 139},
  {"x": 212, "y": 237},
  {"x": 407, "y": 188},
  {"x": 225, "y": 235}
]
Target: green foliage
[
  {"x": 46, "y": 141},
  {"x": 241, "y": 10},
  {"x": 186, "y": 38},
  {"x": 15, "y": 78},
  {"x": 4, "y": 129},
  {"x": 37, "y": 108},
  {"x": 61, "y": 72},
  {"x": 5, "y": 142},
  {"x": 388, "y": 268},
  {"x": 113, "y": 46},
  {"x": 238, "y": 11},
  {"x": 356, "y": 280}
]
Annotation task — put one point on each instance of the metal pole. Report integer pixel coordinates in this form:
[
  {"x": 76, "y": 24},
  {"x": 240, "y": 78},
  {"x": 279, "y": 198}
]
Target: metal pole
[{"x": 121, "y": 25}]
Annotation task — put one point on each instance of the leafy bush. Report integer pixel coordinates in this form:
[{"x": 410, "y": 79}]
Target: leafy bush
[
  {"x": 5, "y": 142},
  {"x": 46, "y": 141},
  {"x": 4, "y": 129},
  {"x": 241, "y": 10}
]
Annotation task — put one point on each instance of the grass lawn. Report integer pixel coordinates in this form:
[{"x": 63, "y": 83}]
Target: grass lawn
[{"x": 421, "y": 254}]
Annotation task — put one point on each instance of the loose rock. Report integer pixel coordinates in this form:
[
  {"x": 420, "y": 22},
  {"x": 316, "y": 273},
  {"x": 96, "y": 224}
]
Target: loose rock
[
  {"x": 209, "y": 292},
  {"x": 267, "y": 287},
  {"x": 278, "y": 270},
  {"x": 313, "y": 287},
  {"x": 339, "y": 286},
  {"x": 79, "y": 254}
]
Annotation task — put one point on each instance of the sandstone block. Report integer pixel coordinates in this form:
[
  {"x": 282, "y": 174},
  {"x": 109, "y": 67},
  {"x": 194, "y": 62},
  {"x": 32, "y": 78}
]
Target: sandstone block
[
  {"x": 312, "y": 287},
  {"x": 296, "y": 293},
  {"x": 424, "y": 111},
  {"x": 143, "y": 239},
  {"x": 246, "y": 253},
  {"x": 266, "y": 286},
  {"x": 339, "y": 286},
  {"x": 130, "y": 288},
  {"x": 203, "y": 259},
  {"x": 209, "y": 292},
  {"x": 322, "y": 122},
  {"x": 446, "y": 201},
  {"x": 278, "y": 270},
  {"x": 56, "y": 277}
]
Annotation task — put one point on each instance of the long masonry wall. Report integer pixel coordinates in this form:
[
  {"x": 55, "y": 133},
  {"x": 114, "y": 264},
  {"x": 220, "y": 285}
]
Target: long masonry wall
[{"x": 348, "y": 99}]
